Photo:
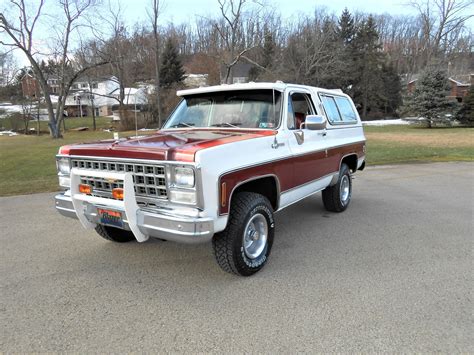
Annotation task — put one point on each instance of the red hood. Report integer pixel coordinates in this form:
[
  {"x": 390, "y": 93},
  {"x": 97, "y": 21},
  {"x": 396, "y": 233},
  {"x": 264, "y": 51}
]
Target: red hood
[{"x": 178, "y": 145}]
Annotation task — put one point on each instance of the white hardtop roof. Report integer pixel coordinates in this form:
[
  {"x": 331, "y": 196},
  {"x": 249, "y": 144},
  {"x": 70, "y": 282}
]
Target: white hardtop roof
[{"x": 279, "y": 86}]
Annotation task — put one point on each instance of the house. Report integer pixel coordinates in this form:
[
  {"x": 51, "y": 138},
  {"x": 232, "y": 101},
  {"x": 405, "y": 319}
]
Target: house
[
  {"x": 457, "y": 89},
  {"x": 239, "y": 73},
  {"x": 195, "y": 80},
  {"x": 135, "y": 99},
  {"x": 90, "y": 93},
  {"x": 53, "y": 83},
  {"x": 30, "y": 87}
]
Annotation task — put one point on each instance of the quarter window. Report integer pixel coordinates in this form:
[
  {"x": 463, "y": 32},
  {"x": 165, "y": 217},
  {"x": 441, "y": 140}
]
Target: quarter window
[
  {"x": 346, "y": 110},
  {"x": 330, "y": 107}
]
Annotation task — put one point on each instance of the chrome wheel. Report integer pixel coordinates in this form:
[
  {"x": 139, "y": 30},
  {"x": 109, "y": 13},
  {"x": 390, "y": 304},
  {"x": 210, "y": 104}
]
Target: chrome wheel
[
  {"x": 345, "y": 189},
  {"x": 255, "y": 236}
]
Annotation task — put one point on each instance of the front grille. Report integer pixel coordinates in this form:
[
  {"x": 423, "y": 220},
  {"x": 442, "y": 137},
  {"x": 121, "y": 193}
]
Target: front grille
[{"x": 149, "y": 180}]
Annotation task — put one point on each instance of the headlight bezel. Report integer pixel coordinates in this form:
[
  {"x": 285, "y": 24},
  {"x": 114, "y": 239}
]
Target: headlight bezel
[
  {"x": 183, "y": 177},
  {"x": 180, "y": 191},
  {"x": 63, "y": 167}
]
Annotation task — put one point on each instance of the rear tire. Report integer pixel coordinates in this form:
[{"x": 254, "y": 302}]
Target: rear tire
[
  {"x": 114, "y": 234},
  {"x": 336, "y": 198},
  {"x": 244, "y": 246}
]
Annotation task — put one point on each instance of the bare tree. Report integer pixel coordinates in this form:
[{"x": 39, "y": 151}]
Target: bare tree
[
  {"x": 154, "y": 14},
  {"x": 440, "y": 20},
  {"x": 232, "y": 34},
  {"x": 22, "y": 34},
  {"x": 8, "y": 68}
]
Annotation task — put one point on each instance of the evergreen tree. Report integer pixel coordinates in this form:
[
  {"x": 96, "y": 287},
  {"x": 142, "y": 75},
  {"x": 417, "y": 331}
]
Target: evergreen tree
[
  {"x": 466, "y": 113},
  {"x": 429, "y": 97},
  {"x": 266, "y": 59},
  {"x": 367, "y": 67},
  {"x": 392, "y": 87},
  {"x": 346, "y": 28},
  {"x": 345, "y": 32},
  {"x": 171, "y": 70}
]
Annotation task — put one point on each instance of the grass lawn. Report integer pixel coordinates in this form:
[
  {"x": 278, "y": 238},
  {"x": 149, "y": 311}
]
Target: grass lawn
[
  {"x": 408, "y": 144},
  {"x": 27, "y": 163},
  {"x": 70, "y": 123}
]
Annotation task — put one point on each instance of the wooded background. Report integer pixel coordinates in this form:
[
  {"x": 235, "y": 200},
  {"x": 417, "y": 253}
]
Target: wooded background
[{"x": 370, "y": 57}]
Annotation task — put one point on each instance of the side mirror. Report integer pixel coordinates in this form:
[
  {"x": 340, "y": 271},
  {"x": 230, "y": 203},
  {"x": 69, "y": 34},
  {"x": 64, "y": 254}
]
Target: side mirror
[{"x": 315, "y": 122}]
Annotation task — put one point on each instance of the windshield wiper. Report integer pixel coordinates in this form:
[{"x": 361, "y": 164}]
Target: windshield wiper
[
  {"x": 182, "y": 124},
  {"x": 227, "y": 124}
]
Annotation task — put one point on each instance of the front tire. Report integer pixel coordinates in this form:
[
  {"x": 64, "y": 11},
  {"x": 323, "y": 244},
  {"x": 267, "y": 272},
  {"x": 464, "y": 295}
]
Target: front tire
[
  {"x": 336, "y": 198},
  {"x": 244, "y": 246},
  {"x": 114, "y": 234}
]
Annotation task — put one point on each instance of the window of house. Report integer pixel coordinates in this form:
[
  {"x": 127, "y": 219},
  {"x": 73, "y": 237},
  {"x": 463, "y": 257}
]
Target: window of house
[
  {"x": 95, "y": 85},
  {"x": 84, "y": 85},
  {"x": 299, "y": 106},
  {"x": 331, "y": 110},
  {"x": 345, "y": 109}
]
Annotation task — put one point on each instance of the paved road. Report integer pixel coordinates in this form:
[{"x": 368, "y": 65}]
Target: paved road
[{"x": 392, "y": 273}]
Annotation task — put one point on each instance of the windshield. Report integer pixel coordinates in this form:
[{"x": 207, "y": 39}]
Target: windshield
[{"x": 235, "y": 109}]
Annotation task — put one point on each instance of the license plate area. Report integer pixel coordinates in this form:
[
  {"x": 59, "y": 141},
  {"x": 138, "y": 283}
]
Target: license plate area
[{"x": 110, "y": 217}]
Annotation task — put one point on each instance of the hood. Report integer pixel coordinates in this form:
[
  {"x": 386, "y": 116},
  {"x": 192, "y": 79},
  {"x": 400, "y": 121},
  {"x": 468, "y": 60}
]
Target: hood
[{"x": 177, "y": 145}]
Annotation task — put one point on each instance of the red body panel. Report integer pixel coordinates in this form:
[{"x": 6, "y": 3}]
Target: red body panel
[
  {"x": 179, "y": 145},
  {"x": 314, "y": 165}
]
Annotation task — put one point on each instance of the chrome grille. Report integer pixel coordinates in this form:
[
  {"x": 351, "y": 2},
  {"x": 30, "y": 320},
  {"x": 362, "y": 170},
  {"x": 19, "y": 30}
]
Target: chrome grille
[{"x": 149, "y": 180}]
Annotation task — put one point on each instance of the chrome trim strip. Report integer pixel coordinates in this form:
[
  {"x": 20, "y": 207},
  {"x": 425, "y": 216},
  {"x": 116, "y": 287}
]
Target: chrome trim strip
[
  {"x": 289, "y": 157},
  {"x": 131, "y": 160},
  {"x": 248, "y": 180},
  {"x": 309, "y": 182},
  {"x": 345, "y": 156}
]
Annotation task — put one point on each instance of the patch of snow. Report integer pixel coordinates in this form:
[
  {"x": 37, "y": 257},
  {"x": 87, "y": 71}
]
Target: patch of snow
[
  {"x": 8, "y": 133},
  {"x": 386, "y": 122}
]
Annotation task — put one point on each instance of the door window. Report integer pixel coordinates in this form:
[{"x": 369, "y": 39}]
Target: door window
[{"x": 299, "y": 106}]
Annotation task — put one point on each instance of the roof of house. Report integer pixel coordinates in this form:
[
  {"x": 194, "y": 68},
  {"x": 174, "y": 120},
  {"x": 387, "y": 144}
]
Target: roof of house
[{"x": 457, "y": 82}]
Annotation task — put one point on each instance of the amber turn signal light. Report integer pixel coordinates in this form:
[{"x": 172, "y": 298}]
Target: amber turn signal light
[
  {"x": 223, "y": 194},
  {"x": 117, "y": 193},
  {"x": 85, "y": 189}
]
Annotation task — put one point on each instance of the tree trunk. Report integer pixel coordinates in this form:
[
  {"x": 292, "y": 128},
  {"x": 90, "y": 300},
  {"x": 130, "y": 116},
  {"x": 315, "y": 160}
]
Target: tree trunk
[{"x": 93, "y": 115}]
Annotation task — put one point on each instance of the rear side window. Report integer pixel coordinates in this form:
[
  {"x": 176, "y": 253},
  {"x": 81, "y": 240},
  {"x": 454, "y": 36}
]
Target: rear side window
[
  {"x": 346, "y": 110},
  {"x": 331, "y": 109}
]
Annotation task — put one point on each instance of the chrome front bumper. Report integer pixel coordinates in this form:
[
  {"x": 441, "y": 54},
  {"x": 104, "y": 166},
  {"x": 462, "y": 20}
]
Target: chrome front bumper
[
  {"x": 151, "y": 224},
  {"x": 143, "y": 223}
]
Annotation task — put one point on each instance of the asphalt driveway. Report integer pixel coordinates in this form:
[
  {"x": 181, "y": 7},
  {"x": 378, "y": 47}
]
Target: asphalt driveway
[{"x": 392, "y": 273}]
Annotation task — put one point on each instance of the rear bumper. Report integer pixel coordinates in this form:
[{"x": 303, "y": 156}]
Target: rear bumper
[{"x": 150, "y": 223}]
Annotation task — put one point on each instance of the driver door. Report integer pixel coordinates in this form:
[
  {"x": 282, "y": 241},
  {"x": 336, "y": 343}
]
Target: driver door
[{"x": 308, "y": 147}]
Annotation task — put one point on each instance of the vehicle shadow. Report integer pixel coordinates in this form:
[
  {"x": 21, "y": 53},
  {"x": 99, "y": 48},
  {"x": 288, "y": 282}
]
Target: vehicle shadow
[{"x": 295, "y": 226}]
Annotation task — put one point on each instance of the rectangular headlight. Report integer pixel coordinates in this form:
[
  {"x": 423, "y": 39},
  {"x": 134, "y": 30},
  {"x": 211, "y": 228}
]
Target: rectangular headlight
[
  {"x": 64, "y": 181},
  {"x": 183, "y": 177},
  {"x": 63, "y": 166},
  {"x": 64, "y": 171},
  {"x": 187, "y": 197}
]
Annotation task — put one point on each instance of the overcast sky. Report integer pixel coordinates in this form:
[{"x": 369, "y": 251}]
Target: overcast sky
[
  {"x": 179, "y": 11},
  {"x": 186, "y": 11}
]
